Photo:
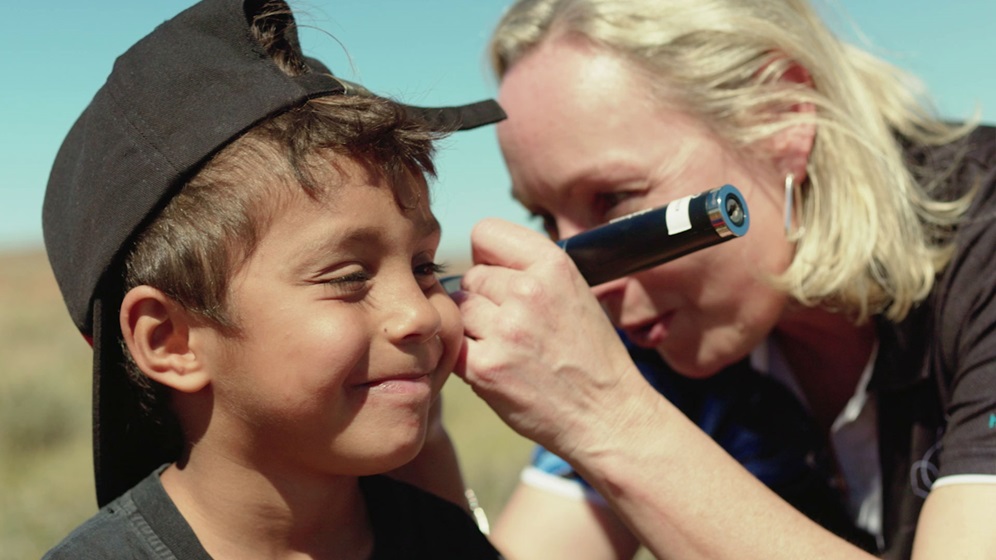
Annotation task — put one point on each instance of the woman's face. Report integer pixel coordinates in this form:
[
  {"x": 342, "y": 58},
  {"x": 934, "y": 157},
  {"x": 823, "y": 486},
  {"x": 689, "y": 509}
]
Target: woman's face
[{"x": 585, "y": 143}]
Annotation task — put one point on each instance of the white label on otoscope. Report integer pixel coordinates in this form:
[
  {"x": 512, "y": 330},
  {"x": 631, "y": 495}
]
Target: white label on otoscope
[{"x": 677, "y": 216}]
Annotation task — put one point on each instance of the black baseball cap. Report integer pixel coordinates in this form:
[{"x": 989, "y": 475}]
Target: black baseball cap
[{"x": 172, "y": 101}]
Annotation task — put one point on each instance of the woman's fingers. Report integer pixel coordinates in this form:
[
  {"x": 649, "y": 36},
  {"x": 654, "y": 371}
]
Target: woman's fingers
[
  {"x": 495, "y": 241},
  {"x": 538, "y": 347},
  {"x": 513, "y": 262}
]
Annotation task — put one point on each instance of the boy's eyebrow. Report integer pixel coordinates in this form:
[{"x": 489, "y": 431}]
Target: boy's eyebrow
[
  {"x": 430, "y": 226},
  {"x": 364, "y": 235}
]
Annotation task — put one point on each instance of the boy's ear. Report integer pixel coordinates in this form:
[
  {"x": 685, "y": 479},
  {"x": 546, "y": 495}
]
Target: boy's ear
[{"x": 159, "y": 334}]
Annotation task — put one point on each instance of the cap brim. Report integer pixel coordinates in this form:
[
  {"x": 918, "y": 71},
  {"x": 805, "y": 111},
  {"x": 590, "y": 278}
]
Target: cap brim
[
  {"x": 462, "y": 117},
  {"x": 139, "y": 139},
  {"x": 444, "y": 119}
]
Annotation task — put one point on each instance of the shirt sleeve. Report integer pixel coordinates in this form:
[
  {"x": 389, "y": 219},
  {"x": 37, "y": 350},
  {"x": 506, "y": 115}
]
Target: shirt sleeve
[
  {"x": 967, "y": 330},
  {"x": 966, "y": 325}
]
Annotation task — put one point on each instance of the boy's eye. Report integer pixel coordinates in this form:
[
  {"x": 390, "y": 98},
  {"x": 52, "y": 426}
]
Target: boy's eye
[
  {"x": 349, "y": 284},
  {"x": 430, "y": 269},
  {"x": 426, "y": 273}
]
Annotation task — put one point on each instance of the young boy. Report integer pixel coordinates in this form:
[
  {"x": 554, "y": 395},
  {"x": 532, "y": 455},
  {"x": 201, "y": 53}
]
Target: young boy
[{"x": 247, "y": 243}]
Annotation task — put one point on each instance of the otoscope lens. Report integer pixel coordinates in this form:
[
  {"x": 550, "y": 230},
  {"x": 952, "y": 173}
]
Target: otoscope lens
[{"x": 734, "y": 210}]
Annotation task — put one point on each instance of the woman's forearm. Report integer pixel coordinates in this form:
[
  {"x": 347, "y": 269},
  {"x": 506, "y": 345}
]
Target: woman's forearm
[{"x": 684, "y": 497}]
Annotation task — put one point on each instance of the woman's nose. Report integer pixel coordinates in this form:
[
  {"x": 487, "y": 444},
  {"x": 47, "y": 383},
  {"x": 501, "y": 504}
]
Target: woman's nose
[{"x": 608, "y": 290}]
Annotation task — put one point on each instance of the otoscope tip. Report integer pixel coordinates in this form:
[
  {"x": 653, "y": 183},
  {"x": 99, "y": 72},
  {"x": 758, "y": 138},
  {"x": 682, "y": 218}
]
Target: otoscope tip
[{"x": 734, "y": 210}]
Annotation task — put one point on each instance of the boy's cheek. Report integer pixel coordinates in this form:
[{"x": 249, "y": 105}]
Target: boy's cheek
[{"x": 451, "y": 330}]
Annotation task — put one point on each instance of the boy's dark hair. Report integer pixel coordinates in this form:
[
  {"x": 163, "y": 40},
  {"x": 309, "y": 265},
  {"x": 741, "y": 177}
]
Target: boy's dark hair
[
  {"x": 212, "y": 226},
  {"x": 171, "y": 114}
]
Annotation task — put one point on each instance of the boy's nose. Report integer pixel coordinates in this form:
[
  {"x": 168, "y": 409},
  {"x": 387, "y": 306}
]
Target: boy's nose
[{"x": 413, "y": 318}]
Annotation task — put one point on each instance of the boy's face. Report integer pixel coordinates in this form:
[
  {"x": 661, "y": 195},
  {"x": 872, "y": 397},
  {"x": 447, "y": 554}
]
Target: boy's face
[{"x": 345, "y": 334}]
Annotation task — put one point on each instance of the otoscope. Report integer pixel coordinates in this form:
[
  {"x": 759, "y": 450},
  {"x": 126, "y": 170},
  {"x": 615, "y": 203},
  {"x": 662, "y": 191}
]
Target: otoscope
[{"x": 655, "y": 236}]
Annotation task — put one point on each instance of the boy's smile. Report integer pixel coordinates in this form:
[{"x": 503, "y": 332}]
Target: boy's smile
[{"x": 345, "y": 334}]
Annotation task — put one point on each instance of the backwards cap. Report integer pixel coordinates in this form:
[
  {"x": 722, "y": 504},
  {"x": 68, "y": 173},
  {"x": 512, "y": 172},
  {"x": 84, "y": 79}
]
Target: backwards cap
[{"x": 171, "y": 102}]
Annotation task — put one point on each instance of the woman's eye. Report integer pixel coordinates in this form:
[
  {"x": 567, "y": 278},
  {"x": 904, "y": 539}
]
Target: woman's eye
[
  {"x": 615, "y": 204},
  {"x": 549, "y": 224}
]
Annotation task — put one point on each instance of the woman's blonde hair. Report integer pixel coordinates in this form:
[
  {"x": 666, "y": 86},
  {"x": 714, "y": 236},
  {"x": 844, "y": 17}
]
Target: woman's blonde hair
[{"x": 875, "y": 235}]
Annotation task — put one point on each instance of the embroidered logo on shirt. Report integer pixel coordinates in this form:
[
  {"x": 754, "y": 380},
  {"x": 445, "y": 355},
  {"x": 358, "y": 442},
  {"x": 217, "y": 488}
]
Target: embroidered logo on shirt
[{"x": 924, "y": 472}]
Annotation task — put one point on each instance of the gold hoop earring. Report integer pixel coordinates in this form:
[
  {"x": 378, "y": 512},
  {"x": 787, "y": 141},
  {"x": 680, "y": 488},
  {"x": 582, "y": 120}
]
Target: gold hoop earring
[{"x": 790, "y": 204}]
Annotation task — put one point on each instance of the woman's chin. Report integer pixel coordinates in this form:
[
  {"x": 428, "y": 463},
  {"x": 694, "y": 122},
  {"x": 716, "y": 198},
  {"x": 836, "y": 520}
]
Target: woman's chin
[{"x": 692, "y": 366}]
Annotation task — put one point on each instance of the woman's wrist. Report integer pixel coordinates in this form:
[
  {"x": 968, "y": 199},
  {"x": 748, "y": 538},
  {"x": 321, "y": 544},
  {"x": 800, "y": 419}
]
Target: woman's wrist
[{"x": 632, "y": 432}]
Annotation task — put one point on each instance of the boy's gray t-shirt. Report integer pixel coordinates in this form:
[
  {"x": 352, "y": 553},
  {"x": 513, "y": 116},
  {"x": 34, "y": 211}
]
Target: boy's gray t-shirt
[{"x": 143, "y": 523}]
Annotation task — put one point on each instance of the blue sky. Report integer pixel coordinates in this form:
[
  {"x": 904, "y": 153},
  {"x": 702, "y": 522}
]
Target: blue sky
[{"x": 57, "y": 53}]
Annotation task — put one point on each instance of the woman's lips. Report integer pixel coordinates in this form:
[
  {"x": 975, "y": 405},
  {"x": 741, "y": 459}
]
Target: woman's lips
[{"x": 650, "y": 334}]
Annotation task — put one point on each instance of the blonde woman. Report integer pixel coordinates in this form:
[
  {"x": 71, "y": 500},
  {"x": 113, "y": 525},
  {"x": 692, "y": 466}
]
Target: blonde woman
[{"x": 865, "y": 284}]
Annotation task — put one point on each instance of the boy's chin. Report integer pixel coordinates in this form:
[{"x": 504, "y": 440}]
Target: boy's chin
[
  {"x": 406, "y": 454},
  {"x": 400, "y": 454}
]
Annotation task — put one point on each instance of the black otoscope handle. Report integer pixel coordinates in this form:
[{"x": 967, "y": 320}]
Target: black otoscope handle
[{"x": 651, "y": 237}]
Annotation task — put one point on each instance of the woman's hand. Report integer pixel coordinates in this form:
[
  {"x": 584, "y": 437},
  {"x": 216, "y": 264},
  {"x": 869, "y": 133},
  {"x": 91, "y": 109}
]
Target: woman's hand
[
  {"x": 539, "y": 349},
  {"x": 545, "y": 357}
]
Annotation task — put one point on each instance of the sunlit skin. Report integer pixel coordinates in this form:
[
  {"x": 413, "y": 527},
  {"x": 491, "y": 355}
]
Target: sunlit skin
[
  {"x": 343, "y": 338},
  {"x": 585, "y": 143},
  {"x": 346, "y": 335}
]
